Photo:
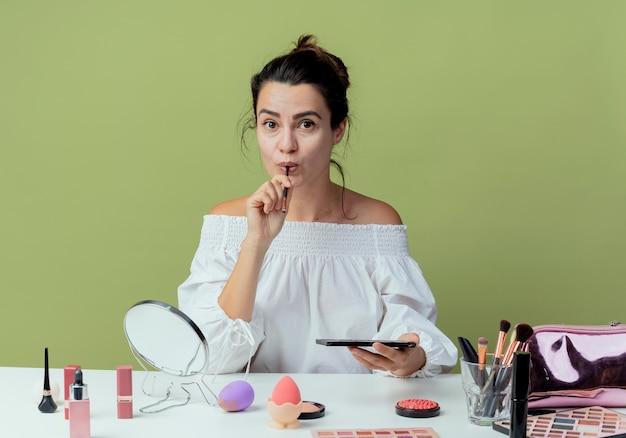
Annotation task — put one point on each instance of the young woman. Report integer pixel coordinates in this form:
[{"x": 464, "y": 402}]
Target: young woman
[{"x": 303, "y": 257}]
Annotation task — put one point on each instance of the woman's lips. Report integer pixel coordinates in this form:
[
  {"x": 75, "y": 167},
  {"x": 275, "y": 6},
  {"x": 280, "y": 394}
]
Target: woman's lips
[{"x": 292, "y": 168}]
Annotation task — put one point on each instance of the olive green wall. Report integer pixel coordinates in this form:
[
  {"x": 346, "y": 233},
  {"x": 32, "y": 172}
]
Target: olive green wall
[{"x": 497, "y": 129}]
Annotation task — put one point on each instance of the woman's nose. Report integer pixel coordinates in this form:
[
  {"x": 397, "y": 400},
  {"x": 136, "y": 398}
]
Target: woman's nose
[{"x": 288, "y": 141}]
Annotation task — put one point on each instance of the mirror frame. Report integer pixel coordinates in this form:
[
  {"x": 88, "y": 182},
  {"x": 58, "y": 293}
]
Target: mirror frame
[{"x": 173, "y": 381}]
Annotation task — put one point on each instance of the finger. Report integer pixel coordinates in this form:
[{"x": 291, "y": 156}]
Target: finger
[
  {"x": 283, "y": 180},
  {"x": 263, "y": 200},
  {"x": 411, "y": 337},
  {"x": 269, "y": 195},
  {"x": 391, "y": 353},
  {"x": 394, "y": 353},
  {"x": 280, "y": 187},
  {"x": 371, "y": 360},
  {"x": 367, "y": 364}
]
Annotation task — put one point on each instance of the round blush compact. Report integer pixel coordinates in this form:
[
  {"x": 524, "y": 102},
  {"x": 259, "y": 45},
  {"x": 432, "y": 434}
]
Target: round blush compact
[
  {"x": 312, "y": 410},
  {"x": 417, "y": 408}
]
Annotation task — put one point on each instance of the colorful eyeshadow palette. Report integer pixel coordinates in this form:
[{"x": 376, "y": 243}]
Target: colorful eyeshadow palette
[
  {"x": 589, "y": 422},
  {"x": 423, "y": 432}
]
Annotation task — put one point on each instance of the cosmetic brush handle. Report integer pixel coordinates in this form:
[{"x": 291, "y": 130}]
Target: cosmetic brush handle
[
  {"x": 491, "y": 379},
  {"x": 505, "y": 325},
  {"x": 285, "y": 193},
  {"x": 488, "y": 392},
  {"x": 499, "y": 393}
]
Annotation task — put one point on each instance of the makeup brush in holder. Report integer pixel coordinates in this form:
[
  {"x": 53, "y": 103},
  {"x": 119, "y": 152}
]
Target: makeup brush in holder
[
  {"x": 47, "y": 404},
  {"x": 500, "y": 376}
]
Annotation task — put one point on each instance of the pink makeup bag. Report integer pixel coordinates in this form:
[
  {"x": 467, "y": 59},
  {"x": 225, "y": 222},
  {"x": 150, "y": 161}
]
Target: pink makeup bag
[{"x": 576, "y": 366}]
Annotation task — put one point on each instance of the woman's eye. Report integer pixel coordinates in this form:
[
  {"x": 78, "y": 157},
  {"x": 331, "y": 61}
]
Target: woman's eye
[
  {"x": 270, "y": 124},
  {"x": 307, "y": 124}
]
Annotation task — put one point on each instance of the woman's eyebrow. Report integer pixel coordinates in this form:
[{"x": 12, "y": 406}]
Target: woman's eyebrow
[
  {"x": 271, "y": 113},
  {"x": 307, "y": 113},
  {"x": 295, "y": 116}
]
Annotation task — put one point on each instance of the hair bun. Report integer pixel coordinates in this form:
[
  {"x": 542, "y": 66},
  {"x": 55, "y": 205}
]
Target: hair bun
[{"x": 309, "y": 43}]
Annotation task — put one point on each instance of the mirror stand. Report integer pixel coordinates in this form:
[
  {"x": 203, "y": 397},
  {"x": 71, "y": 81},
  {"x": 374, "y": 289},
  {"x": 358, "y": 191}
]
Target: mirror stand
[{"x": 174, "y": 393}]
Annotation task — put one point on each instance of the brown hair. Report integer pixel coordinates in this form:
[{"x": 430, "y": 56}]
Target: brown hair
[{"x": 308, "y": 63}]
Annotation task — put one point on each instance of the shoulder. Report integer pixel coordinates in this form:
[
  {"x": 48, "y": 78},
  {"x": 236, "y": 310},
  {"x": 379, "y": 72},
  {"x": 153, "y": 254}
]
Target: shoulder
[
  {"x": 233, "y": 207},
  {"x": 366, "y": 210}
]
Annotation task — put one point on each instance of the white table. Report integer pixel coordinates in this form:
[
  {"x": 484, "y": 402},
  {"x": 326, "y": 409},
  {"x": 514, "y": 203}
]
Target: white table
[{"x": 352, "y": 402}]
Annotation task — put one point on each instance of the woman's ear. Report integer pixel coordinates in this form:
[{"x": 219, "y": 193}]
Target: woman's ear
[{"x": 339, "y": 131}]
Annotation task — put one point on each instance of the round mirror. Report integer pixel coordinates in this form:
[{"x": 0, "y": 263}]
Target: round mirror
[{"x": 167, "y": 340}]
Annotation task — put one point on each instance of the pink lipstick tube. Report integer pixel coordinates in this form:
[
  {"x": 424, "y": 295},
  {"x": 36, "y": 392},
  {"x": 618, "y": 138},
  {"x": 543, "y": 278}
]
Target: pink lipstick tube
[{"x": 124, "y": 391}]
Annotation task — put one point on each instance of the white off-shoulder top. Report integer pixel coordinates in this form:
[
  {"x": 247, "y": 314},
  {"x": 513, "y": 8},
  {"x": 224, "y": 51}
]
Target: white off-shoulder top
[{"x": 318, "y": 280}]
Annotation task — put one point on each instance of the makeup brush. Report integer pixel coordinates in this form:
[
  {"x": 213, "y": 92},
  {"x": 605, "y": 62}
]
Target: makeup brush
[
  {"x": 523, "y": 332},
  {"x": 482, "y": 360},
  {"x": 285, "y": 191},
  {"x": 482, "y": 352},
  {"x": 504, "y": 329},
  {"x": 47, "y": 404},
  {"x": 502, "y": 376}
]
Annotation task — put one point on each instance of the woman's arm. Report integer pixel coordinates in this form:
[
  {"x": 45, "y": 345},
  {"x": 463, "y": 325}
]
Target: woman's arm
[
  {"x": 265, "y": 220},
  {"x": 410, "y": 314}
]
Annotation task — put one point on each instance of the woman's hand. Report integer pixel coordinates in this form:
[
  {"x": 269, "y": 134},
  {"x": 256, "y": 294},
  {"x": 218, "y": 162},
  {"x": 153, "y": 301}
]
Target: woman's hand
[
  {"x": 264, "y": 210},
  {"x": 265, "y": 220},
  {"x": 400, "y": 362}
]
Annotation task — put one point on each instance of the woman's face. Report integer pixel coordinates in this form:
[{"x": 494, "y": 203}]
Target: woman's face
[{"x": 293, "y": 130}]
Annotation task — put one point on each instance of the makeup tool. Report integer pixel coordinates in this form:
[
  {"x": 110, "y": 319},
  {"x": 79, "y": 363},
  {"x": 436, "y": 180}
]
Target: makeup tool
[
  {"x": 417, "y": 408},
  {"x": 504, "y": 329},
  {"x": 68, "y": 379},
  {"x": 519, "y": 394},
  {"x": 482, "y": 359},
  {"x": 285, "y": 191},
  {"x": 236, "y": 396},
  {"x": 47, "y": 404},
  {"x": 482, "y": 352},
  {"x": 501, "y": 374},
  {"x": 80, "y": 426},
  {"x": 411, "y": 432},
  {"x": 594, "y": 421},
  {"x": 124, "y": 391},
  {"x": 523, "y": 332},
  {"x": 285, "y": 405},
  {"x": 520, "y": 336}
]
